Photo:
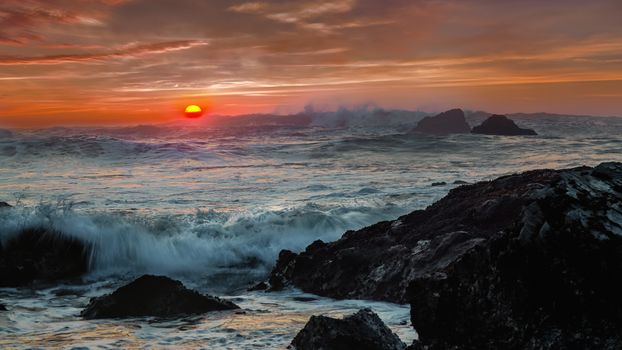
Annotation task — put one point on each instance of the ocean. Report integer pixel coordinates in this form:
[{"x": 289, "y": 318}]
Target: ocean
[{"x": 213, "y": 204}]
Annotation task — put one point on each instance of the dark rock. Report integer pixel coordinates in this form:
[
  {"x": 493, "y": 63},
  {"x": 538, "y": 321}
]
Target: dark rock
[
  {"x": 449, "y": 122},
  {"x": 362, "y": 331},
  {"x": 258, "y": 286},
  {"x": 440, "y": 183},
  {"x": 153, "y": 296},
  {"x": 460, "y": 182},
  {"x": 39, "y": 255},
  {"x": 501, "y": 125},
  {"x": 304, "y": 299},
  {"x": 2, "y": 307},
  {"x": 62, "y": 292},
  {"x": 527, "y": 261},
  {"x": 5, "y": 205}
]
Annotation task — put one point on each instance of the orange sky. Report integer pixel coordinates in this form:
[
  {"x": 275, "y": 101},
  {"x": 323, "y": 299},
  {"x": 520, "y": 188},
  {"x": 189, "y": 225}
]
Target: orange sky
[{"x": 66, "y": 62}]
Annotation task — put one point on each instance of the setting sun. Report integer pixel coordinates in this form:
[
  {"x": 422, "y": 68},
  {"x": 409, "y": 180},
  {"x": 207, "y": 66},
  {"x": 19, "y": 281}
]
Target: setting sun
[{"x": 193, "y": 111}]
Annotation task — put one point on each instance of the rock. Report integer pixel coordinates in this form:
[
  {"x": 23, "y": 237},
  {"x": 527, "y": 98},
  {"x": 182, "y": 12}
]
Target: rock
[
  {"x": 2, "y": 307},
  {"x": 364, "y": 330},
  {"x": 501, "y": 125},
  {"x": 258, "y": 286},
  {"x": 39, "y": 255},
  {"x": 5, "y": 205},
  {"x": 153, "y": 296},
  {"x": 460, "y": 182},
  {"x": 526, "y": 261},
  {"x": 449, "y": 122},
  {"x": 440, "y": 183}
]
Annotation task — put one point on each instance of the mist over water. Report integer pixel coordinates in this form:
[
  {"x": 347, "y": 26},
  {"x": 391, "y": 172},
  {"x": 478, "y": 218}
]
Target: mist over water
[{"x": 213, "y": 205}]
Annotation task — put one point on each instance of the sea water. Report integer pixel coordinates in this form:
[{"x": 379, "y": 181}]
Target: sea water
[{"x": 213, "y": 206}]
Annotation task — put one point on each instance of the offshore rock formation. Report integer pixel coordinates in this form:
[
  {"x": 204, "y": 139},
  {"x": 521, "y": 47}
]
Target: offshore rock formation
[
  {"x": 449, "y": 122},
  {"x": 39, "y": 255},
  {"x": 501, "y": 125},
  {"x": 364, "y": 330},
  {"x": 153, "y": 296},
  {"x": 527, "y": 261}
]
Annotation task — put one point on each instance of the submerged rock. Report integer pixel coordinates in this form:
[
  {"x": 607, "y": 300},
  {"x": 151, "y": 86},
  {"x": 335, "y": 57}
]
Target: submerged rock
[
  {"x": 449, "y": 122},
  {"x": 153, "y": 296},
  {"x": 362, "y": 331},
  {"x": 526, "y": 261},
  {"x": 39, "y": 255},
  {"x": 501, "y": 125},
  {"x": 4, "y": 205}
]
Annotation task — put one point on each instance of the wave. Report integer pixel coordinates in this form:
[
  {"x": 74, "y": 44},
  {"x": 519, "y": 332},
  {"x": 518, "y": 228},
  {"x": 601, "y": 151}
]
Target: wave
[
  {"x": 100, "y": 147},
  {"x": 205, "y": 243}
]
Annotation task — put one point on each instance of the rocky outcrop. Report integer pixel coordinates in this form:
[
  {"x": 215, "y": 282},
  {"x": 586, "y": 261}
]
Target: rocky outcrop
[
  {"x": 364, "y": 330},
  {"x": 153, "y": 296},
  {"x": 527, "y": 261},
  {"x": 501, "y": 125},
  {"x": 449, "y": 122},
  {"x": 39, "y": 255}
]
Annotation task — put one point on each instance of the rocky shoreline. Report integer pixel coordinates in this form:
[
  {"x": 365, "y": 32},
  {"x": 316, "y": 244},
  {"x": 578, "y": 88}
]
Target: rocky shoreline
[{"x": 525, "y": 261}]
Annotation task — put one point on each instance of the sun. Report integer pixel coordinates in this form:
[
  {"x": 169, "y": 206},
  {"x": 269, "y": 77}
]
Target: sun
[{"x": 193, "y": 111}]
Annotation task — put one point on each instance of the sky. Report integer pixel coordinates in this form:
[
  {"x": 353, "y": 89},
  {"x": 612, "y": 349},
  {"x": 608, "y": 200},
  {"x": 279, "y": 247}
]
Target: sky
[{"x": 67, "y": 62}]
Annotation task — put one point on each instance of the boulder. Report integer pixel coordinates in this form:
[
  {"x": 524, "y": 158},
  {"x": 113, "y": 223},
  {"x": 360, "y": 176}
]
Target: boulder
[
  {"x": 526, "y": 261},
  {"x": 4, "y": 205},
  {"x": 153, "y": 296},
  {"x": 40, "y": 255},
  {"x": 449, "y": 122},
  {"x": 362, "y": 331},
  {"x": 501, "y": 125}
]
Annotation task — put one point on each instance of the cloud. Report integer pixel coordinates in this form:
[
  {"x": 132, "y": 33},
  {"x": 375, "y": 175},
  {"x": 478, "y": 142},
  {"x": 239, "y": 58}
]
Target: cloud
[{"x": 132, "y": 51}]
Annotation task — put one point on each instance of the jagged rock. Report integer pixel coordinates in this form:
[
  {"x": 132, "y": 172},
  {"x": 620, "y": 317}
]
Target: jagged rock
[
  {"x": 153, "y": 296},
  {"x": 526, "y": 261},
  {"x": 362, "y": 331},
  {"x": 258, "y": 286},
  {"x": 449, "y": 122},
  {"x": 501, "y": 125},
  {"x": 39, "y": 255}
]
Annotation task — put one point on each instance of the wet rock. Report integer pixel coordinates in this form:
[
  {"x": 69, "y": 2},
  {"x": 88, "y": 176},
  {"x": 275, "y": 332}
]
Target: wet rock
[
  {"x": 460, "y": 182},
  {"x": 2, "y": 307},
  {"x": 440, "y": 183},
  {"x": 449, "y": 122},
  {"x": 5, "y": 205},
  {"x": 501, "y": 125},
  {"x": 258, "y": 286},
  {"x": 362, "y": 331},
  {"x": 526, "y": 261},
  {"x": 39, "y": 255},
  {"x": 153, "y": 296}
]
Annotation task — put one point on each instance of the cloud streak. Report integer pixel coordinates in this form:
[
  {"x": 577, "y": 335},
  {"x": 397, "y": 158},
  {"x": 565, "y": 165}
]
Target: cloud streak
[{"x": 133, "y": 51}]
